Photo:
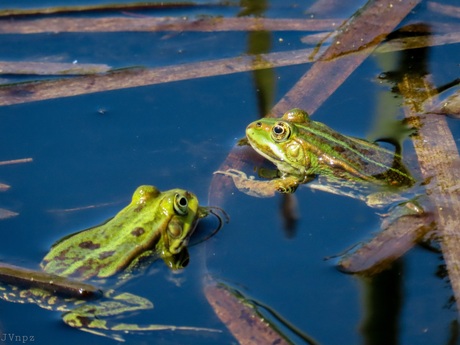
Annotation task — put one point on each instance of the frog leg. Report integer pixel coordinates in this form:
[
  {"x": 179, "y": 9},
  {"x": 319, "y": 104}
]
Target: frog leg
[
  {"x": 268, "y": 173},
  {"x": 90, "y": 317},
  {"x": 248, "y": 185},
  {"x": 383, "y": 198},
  {"x": 260, "y": 189},
  {"x": 417, "y": 206}
]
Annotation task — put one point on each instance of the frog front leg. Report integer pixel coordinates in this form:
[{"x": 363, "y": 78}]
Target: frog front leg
[
  {"x": 258, "y": 188},
  {"x": 95, "y": 317}
]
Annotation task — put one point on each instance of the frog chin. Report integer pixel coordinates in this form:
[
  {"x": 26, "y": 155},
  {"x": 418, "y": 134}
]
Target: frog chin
[
  {"x": 267, "y": 151},
  {"x": 177, "y": 247}
]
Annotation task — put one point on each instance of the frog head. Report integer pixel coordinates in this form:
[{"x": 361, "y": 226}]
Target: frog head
[
  {"x": 182, "y": 211},
  {"x": 279, "y": 142}
]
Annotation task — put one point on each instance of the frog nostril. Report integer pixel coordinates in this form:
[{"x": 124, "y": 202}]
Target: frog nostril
[{"x": 259, "y": 124}]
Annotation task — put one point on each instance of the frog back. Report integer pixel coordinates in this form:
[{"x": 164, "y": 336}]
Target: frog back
[
  {"x": 104, "y": 250},
  {"x": 336, "y": 155}
]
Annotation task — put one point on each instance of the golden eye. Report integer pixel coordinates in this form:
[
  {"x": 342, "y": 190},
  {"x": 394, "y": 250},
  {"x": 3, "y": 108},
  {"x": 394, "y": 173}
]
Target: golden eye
[
  {"x": 180, "y": 205},
  {"x": 281, "y": 131}
]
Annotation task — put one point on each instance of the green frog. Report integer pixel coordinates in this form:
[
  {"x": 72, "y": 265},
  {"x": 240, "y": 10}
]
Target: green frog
[
  {"x": 307, "y": 151},
  {"x": 154, "y": 225}
]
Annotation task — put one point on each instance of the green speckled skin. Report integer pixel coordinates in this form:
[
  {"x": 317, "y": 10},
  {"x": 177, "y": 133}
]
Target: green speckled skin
[
  {"x": 155, "y": 224},
  {"x": 142, "y": 226},
  {"x": 302, "y": 149}
]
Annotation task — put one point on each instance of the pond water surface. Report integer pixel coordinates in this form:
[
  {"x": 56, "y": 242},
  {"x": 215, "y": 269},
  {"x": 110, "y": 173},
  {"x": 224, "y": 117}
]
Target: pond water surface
[{"x": 96, "y": 149}]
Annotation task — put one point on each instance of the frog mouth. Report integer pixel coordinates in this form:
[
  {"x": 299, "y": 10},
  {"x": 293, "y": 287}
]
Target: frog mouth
[
  {"x": 177, "y": 248},
  {"x": 266, "y": 151}
]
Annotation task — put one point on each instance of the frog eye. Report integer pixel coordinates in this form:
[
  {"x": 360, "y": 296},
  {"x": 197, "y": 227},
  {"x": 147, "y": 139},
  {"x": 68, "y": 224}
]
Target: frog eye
[
  {"x": 180, "y": 205},
  {"x": 281, "y": 132}
]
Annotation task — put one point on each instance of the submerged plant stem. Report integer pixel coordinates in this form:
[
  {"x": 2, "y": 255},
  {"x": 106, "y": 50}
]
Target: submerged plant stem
[
  {"x": 361, "y": 34},
  {"x": 50, "y": 68},
  {"x": 440, "y": 165},
  {"x": 156, "y": 24},
  {"x": 133, "y": 77},
  {"x": 101, "y": 7},
  {"x": 243, "y": 319}
]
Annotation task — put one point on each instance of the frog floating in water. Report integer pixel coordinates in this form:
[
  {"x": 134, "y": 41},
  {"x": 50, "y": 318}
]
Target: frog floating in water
[
  {"x": 154, "y": 225},
  {"x": 304, "y": 150}
]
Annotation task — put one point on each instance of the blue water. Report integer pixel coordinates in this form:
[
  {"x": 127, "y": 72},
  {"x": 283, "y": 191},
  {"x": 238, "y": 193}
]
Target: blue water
[{"x": 96, "y": 149}]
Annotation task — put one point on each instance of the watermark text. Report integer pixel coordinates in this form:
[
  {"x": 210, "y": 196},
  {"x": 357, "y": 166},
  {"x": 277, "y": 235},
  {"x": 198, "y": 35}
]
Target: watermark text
[{"x": 16, "y": 338}]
